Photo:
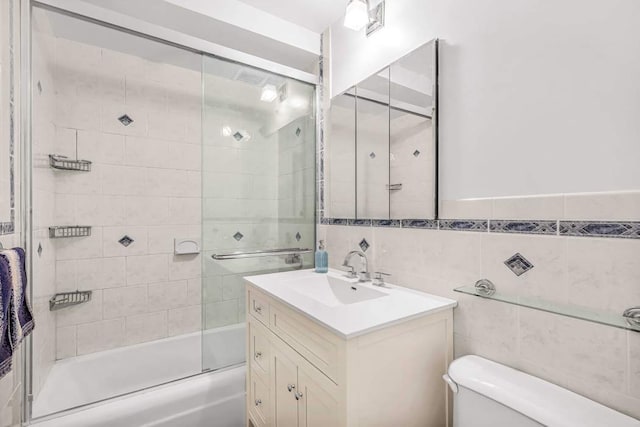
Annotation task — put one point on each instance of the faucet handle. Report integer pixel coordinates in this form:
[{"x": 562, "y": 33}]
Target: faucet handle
[
  {"x": 351, "y": 274},
  {"x": 378, "y": 280}
]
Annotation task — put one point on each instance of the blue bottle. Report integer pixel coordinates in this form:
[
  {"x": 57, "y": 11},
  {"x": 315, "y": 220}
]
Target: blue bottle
[{"x": 322, "y": 259}]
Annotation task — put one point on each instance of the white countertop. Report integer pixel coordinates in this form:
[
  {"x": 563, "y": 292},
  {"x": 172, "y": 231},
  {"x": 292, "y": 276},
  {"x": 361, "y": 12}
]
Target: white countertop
[{"x": 349, "y": 320}]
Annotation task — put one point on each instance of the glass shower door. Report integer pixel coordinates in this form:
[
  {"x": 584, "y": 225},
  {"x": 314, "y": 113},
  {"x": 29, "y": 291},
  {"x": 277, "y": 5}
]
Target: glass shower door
[{"x": 258, "y": 192}]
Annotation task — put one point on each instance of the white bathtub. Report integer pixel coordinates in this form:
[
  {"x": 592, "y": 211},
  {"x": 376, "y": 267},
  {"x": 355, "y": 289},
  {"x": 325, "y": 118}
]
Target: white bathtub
[{"x": 188, "y": 402}]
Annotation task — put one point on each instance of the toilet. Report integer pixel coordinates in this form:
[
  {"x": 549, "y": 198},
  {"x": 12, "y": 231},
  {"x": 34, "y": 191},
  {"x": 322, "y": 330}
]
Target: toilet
[{"x": 488, "y": 394}]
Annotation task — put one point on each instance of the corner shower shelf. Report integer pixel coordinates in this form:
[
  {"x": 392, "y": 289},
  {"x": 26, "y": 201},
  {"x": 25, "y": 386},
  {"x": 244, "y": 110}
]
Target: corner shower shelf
[
  {"x": 65, "y": 231},
  {"x": 630, "y": 320},
  {"x": 57, "y": 161},
  {"x": 67, "y": 299}
]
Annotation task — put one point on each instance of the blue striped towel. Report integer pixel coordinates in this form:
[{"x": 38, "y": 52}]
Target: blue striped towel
[{"x": 16, "y": 319}]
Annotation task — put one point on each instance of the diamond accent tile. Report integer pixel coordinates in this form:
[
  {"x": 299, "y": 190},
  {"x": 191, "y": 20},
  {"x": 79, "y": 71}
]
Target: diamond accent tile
[
  {"x": 298, "y": 237},
  {"x": 126, "y": 241},
  {"x": 238, "y": 236},
  {"x": 125, "y": 120},
  {"x": 518, "y": 264},
  {"x": 238, "y": 136},
  {"x": 372, "y": 155},
  {"x": 416, "y": 153},
  {"x": 364, "y": 245}
]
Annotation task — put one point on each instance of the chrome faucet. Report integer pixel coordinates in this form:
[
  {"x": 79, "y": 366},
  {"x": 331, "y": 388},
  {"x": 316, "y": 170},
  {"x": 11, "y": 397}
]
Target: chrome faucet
[{"x": 363, "y": 274}]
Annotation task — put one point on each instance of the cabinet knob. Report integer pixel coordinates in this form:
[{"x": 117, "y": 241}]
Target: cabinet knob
[
  {"x": 258, "y": 354},
  {"x": 258, "y": 402},
  {"x": 290, "y": 387},
  {"x": 298, "y": 395},
  {"x": 258, "y": 309}
]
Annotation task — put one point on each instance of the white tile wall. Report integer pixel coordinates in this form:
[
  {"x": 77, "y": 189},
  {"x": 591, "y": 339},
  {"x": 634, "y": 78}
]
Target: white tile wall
[
  {"x": 144, "y": 183},
  {"x": 600, "y": 362},
  {"x": 611, "y": 206}
]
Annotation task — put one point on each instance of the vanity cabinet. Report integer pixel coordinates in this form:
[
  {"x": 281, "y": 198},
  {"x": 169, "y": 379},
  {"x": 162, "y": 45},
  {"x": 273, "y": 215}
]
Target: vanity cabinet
[{"x": 300, "y": 373}]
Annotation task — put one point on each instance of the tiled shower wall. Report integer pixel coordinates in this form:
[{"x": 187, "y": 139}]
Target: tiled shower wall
[
  {"x": 144, "y": 183},
  {"x": 43, "y": 258},
  {"x": 600, "y": 362},
  {"x": 256, "y": 196}
]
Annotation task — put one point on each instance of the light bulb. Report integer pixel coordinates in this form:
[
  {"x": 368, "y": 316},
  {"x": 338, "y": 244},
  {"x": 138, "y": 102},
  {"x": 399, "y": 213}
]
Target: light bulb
[
  {"x": 269, "y": 93},
  {"x": 357, "y": 15}
]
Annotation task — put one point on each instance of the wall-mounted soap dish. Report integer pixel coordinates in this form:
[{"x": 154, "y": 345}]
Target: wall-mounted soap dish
[
  {"x": 186, "y": 246},
  {"x": 67, "y": 299},
  {"x": 65, "y": 231},
  {"x": 60, "y": 162}
]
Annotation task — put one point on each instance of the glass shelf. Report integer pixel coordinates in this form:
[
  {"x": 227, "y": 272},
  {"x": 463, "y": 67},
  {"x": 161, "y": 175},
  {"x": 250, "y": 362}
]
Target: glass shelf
[{"x": 591, "y": 315}]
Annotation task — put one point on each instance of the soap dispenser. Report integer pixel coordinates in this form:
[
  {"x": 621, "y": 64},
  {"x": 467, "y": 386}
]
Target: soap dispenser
[{"x": 322, "y": 259}]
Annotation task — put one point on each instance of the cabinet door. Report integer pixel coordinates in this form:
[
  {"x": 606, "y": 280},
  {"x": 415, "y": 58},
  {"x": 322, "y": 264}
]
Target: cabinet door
[
  {"x": 285, "y": 385},
  {"x": 317, "y": 404}
]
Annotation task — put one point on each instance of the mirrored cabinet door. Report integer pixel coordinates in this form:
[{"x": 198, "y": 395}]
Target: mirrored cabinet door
[
  {"x": 382, "y": 143},
  {"x": 412, "y": 170},
  {"x": 372, "y": 147},
  {"x": 340, "y": 185}
]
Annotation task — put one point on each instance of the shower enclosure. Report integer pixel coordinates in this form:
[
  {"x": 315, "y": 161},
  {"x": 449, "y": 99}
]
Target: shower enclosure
[{"x": 159, "y": 176}]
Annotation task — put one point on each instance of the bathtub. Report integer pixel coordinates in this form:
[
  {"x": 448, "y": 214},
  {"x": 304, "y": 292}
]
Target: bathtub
[{"x": 132, "y": 374}]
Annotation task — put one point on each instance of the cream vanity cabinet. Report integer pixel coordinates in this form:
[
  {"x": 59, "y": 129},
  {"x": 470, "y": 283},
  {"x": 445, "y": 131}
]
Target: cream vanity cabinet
[{"x": 301, "y": 373}]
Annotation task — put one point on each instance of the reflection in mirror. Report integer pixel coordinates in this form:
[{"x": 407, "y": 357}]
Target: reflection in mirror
[
  {"x": 372, "y": 168},
  {"x": 412, "y": 170},
  {"x": 340, "y": 190}
]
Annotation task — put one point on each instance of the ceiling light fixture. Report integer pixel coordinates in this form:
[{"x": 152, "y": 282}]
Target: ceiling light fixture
[
  {"x": 357, "y": 15},
  {"x": 269, "y": 93},
  {"x": 360, "y": 13}
]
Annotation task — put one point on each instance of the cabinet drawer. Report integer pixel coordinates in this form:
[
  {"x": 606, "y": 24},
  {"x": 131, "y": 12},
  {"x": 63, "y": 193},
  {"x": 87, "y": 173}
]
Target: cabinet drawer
[
  {"x": 259, "y": 348},
  {"x": 259, "y": 401},
  {"x": 313, "y": 342},
  {"x": 258, "y": 306}
]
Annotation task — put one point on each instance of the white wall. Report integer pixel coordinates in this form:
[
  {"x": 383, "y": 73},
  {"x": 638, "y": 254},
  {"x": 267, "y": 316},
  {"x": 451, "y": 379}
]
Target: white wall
[{"x": 535, "y": 97}]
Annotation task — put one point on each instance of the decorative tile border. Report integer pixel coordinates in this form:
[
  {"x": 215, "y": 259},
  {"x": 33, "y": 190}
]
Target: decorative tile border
[
  {"x": 615, "y": 229},
  {"x": 430, "y": 224},
  {"x": 463, "y": 224},
  {"x": 523, "y": 227},
  {"x": 610, "y": 229},
  {"x": 360, "y": 222}
]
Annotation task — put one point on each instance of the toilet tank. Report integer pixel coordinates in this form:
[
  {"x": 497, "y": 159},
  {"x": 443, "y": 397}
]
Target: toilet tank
[{"x": 488, "y": 394}]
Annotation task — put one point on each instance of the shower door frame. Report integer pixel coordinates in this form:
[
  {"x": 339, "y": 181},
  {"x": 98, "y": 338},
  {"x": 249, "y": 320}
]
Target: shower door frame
[{"x": 139, "y": 28}]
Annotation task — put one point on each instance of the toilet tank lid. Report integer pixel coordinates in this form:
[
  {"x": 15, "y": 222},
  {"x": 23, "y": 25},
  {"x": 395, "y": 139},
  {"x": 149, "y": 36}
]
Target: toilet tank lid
[{"x": 539, "y": 400}]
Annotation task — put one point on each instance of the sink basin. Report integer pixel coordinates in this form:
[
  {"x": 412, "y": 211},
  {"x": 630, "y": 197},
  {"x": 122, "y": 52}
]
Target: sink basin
[{"x": 333, "y": 291}]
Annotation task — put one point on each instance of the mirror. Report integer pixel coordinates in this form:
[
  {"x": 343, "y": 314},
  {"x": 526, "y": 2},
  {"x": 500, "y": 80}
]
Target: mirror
[
  {"x": 340, "y": 186},
  {"x": 7, "y": 122},
  {"x": 382, "y": 143},
  {"x": 372, "y": 147}
]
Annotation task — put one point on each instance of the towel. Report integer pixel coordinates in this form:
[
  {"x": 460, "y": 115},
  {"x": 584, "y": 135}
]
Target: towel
[{"x": 16, "y": 319}]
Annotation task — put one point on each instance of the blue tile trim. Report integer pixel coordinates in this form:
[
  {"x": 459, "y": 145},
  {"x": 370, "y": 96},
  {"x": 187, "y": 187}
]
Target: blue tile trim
[
  {"x": 617, "y": 229},
  {"x": 611, "y": 229},
  {"x": 360, "y": 222},
  {"x": 394, "y": 223},
  {"x": 523, "y": 227},
  {"x": 463, "y": 225},
  {"x": 338, "y": 221},
  {"x": 430, "y": 224}
]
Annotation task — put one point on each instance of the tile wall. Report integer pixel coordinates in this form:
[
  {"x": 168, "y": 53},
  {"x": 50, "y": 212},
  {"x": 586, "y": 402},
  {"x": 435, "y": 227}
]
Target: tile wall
[
  {"x": 257, "y": 193},
  {"x": 11, "y": 389},
  {"x": 144, "y": 183},
  {"x": 602, "y": 273},
  {"x": 43, "y": 258}
]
